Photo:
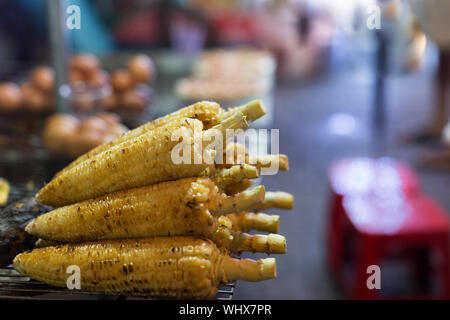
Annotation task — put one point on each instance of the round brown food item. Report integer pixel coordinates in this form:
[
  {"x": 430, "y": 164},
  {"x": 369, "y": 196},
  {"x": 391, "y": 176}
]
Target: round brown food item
[
  {"x": 34, "y": 99},
  {"x": 109, "y": 137},
  {"x": 141, "y": 68},
  {"x": 99, "y": 78},
  {"x": 63, "y": 118},
  {"x": 110, "y": 102},
  {"x": 10, "y": 97},
  {"x": 83, "y": 101},
  {"x": 76, "y": 76},
  {"x": 116, "y": 130},
  {"x": 110, "y": 118},
  {"x": 83, "y": 141},
  {"x": 132, "y": 100},
  {"x": 121, "y": 80},
  {"x": 85, "y": 63},
  {"x": 94, "y": 124},
  {"x": 43, "y": 78},
  {"x": 57, "y": 130}
]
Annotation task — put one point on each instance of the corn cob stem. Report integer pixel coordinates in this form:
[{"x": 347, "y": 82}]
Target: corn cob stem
[
  {"x": 236, "y": 153},
  {"x": 267, "y": 161},
  {"x": 279, "y": 199},
  {"x": 236, "y": 121},
  {"x": 250, "y": 270},
  {"x": 243, "y": 201},
  {"x": 252, "y": 110},
  {"x": 247, "y": 221},
  {"x": 238, "y": 186},
  {"x": 272, "y": 243},
  {"x": 234, "y": 174}
]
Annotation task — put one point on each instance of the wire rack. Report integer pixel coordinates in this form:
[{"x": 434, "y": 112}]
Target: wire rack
[{"x": 14, "y": 286}]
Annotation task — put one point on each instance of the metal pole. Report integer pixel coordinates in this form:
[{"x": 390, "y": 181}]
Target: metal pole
[{"x": 56, "y": 30}]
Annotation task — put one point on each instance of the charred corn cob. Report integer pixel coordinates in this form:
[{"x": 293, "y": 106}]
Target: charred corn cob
[
  {"x": 173, "y": 207},
  {"x": 218, "y": 230},
  {"x": 247, "y": 221},
  {"x": 144, "y": 160},
  {"x": 209, "y": 113},
  {"x": 166, "y": 267},
  {"x": 278, "y": 199}
]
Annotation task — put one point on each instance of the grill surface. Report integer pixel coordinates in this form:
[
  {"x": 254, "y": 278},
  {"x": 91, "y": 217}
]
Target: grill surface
[{"x": 14, "y": 286}]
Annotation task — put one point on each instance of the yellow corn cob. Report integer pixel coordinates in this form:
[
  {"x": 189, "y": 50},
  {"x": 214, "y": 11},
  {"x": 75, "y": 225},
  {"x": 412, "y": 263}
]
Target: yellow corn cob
[
  {"x": 209, "y": 113},
  {"x": 218, "y": 230},
  {"x": 278, "y": 199},
  {"x": 166, "y": 267},
  {"x": 173, "y": 207},
  {"x": 4, "y": 191},
  {"x": 247, "y": 221},
  {"x": 144, "y": 160}
]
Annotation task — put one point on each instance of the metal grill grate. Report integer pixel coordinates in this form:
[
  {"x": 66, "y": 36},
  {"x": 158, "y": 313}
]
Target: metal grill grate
[{"x": 14, "y": 286}]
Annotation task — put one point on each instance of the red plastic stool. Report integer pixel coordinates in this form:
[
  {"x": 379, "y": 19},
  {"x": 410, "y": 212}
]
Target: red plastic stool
[
  {"x": 360, "y": 176},
  {"x": 382, "y": 223},
  {"x": 363, "y": 175}
]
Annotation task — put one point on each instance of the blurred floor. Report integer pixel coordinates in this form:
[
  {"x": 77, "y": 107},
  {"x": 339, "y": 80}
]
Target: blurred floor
[{"x": 319, "y": 122}]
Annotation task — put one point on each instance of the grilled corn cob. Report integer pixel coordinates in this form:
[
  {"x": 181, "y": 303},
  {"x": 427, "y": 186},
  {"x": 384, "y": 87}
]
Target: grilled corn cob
[
  {"x": 209, "y": 113},
  {"x": 173, "y": 207},
  {"x": 218, "y": 230},
  {"x": 144, "y": 160},
  {"x": 166, "y": 267},
  {"x": 247, "y": 221},
  {"x": 181, "y": 207}
]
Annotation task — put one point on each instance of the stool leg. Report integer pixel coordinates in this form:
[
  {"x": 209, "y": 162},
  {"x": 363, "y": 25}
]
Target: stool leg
[
  {"x": 444, "y": 268},
  {"x": 367, "y": 254},
  {"x": 336, "y": 236},
  {"x": 421, "y": 268}
]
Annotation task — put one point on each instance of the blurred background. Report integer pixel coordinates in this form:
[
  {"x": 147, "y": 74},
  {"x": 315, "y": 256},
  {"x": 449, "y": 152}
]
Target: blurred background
[{"x": 340, "y": 79}]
